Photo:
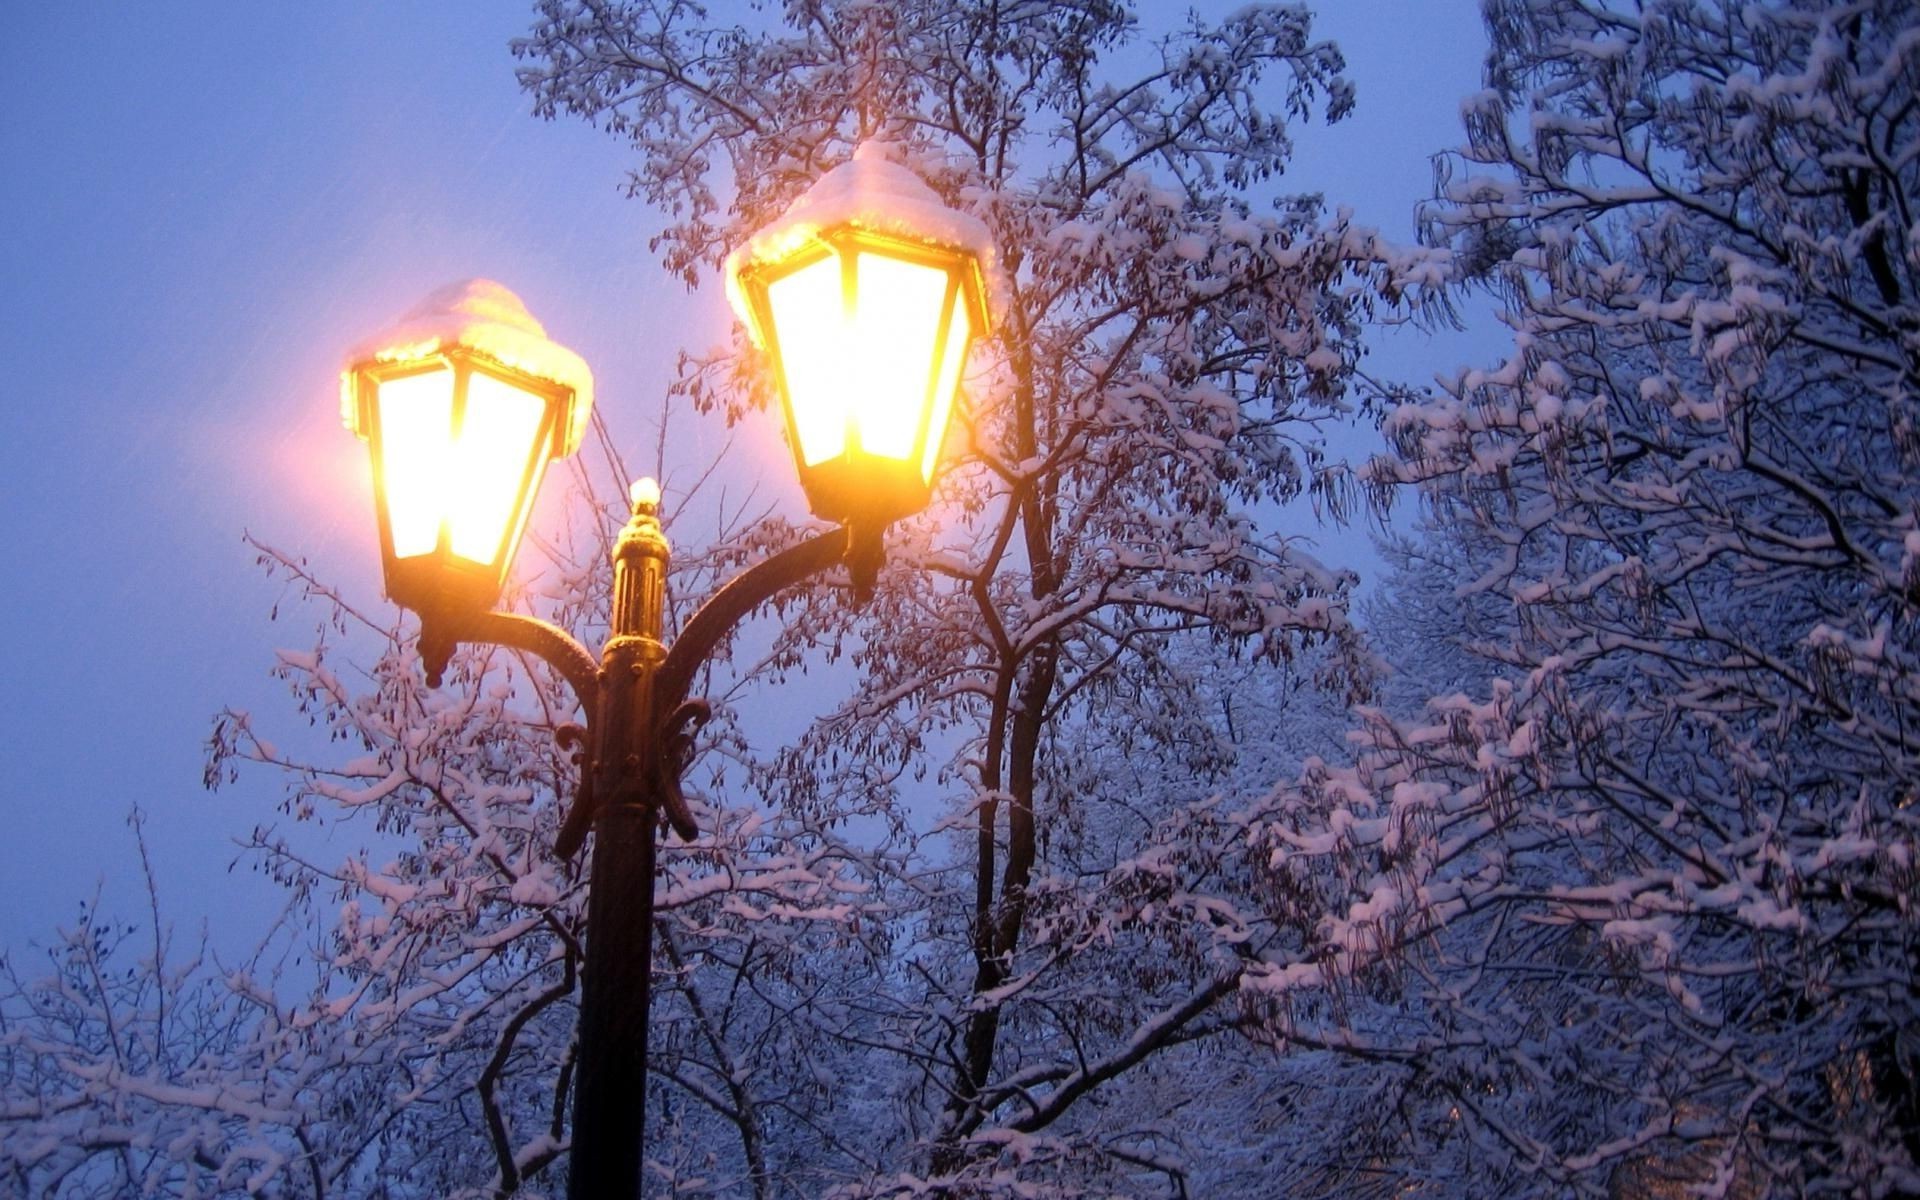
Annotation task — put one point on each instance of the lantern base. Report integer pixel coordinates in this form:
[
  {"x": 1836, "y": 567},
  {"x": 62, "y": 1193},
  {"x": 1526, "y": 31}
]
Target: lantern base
[
  {"x": 864, "y": 491},
  {"x": 441, "y": 582}
]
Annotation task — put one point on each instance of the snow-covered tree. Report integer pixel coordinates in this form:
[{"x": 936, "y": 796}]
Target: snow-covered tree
[
  {"x": 1647, "y": 898},
  {"x": 130, "y": 1068}
]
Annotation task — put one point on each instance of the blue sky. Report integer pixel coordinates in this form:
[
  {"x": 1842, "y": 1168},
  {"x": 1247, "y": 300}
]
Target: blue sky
[{"x": 206, "y": 203}]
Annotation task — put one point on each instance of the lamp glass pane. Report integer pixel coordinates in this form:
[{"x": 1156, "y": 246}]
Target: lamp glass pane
[
  {"x": 489, "y": 465},
  {"x": 896, "y": 329},
  {"x": 809, "y": 321},
  {"x": 416, "y": 423},
  {"x": 945, "y": 384}
]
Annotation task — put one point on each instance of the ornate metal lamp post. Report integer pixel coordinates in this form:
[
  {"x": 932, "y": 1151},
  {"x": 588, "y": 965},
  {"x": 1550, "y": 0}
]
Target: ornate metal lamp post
[{"x": 866, "y": 294}]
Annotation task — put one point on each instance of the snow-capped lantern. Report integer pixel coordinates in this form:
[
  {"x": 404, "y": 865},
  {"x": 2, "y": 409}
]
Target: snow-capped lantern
[
  {"x": 865, "y": 294},
  {"x": 462, "y": 403}
]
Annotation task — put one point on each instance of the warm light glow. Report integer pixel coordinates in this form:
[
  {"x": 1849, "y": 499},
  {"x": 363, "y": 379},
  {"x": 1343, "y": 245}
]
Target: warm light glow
[
  {"x": 861, "y": 378},
  {"x": 895, "y": 335},
  {"x": 945, "y": 386},
  {"x": 415, "y": 415},
  {"x": 809, "y": 309},
  {"x": 488, "y": 466},
  {"x": 465, "y": 483}
]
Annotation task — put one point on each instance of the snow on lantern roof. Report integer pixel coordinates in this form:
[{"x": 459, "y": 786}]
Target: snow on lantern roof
[
  {"x": 871, "y": 192},
  {"x": 487, "y": 319}
]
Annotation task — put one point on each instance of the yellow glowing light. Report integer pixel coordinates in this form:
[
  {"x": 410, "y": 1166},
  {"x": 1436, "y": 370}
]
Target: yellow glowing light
[
  {"x": 497, "y": 445},
  {"x": 866, "y": 294},
  {"x": 870, "y": 335},
  {"x": 945, "y": 385},
  {"x": 460, "y": 480},
  {"x": 809, "y": 309},
  {"x": 459, "y": 446},
  {"x": 895, "y": 332},
  {"x": 415, "y": 415},
  {"x": 857, "y": 360}
]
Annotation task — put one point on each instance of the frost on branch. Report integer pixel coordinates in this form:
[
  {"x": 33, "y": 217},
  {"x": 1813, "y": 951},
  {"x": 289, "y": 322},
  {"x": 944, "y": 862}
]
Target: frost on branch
[{"x": 129, "y": 1068}]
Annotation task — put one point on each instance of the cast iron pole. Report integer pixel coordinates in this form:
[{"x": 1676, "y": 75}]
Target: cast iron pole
[
  {"x": 640, "y": 733},
  {"x": 610, "y": 1071}
]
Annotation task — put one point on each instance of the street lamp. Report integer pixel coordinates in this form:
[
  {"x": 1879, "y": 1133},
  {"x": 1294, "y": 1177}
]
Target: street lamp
[
  {"x": 865, "y": 294},
  {"x": 461, "y": 404}
]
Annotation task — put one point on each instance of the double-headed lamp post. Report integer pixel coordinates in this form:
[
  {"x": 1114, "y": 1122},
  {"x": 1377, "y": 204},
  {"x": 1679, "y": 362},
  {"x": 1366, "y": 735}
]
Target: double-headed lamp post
[{"x": 865, "y": 296}]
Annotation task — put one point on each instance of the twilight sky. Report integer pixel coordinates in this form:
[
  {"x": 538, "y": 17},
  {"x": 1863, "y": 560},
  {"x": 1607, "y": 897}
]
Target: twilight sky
[{"x": 205, "y": 204}]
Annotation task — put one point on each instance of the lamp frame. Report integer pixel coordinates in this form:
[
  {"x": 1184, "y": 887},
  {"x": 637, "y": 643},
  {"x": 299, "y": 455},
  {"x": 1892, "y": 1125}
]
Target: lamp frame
[
  {"x": 857, "y": 488},
  {"x": 441, "y": 579}
]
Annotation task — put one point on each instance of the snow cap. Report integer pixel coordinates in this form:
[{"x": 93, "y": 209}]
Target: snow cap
[
  {"x": 871, "y": 191},
  {"x": 487, "y": 319}
]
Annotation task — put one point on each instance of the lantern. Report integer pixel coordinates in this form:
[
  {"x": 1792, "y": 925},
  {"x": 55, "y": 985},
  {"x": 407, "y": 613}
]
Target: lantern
[
  {"x": 462, "y": 405},
  {"x": 866, "y": 294}
]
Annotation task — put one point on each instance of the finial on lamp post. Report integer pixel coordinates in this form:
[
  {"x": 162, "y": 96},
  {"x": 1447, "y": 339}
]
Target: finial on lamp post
[{"x": 645, "y": 495}]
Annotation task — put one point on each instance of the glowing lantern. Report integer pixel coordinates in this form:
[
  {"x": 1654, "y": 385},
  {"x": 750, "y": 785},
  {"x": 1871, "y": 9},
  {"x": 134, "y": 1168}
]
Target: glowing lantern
[
  {"x": 462, "y": 404},
  {"x": 866, "y": 294}
]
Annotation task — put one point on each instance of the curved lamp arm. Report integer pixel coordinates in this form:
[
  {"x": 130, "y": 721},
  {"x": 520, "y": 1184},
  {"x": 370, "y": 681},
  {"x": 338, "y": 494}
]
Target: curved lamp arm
[
  {"x": 727, "y": 607},
  {"x": 441, "y": 632},
  {"x": 670, "y": 735}
]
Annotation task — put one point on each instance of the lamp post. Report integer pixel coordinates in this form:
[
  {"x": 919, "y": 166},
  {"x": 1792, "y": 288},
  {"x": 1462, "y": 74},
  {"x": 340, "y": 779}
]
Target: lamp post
[{"x": 865, "y": 295}]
